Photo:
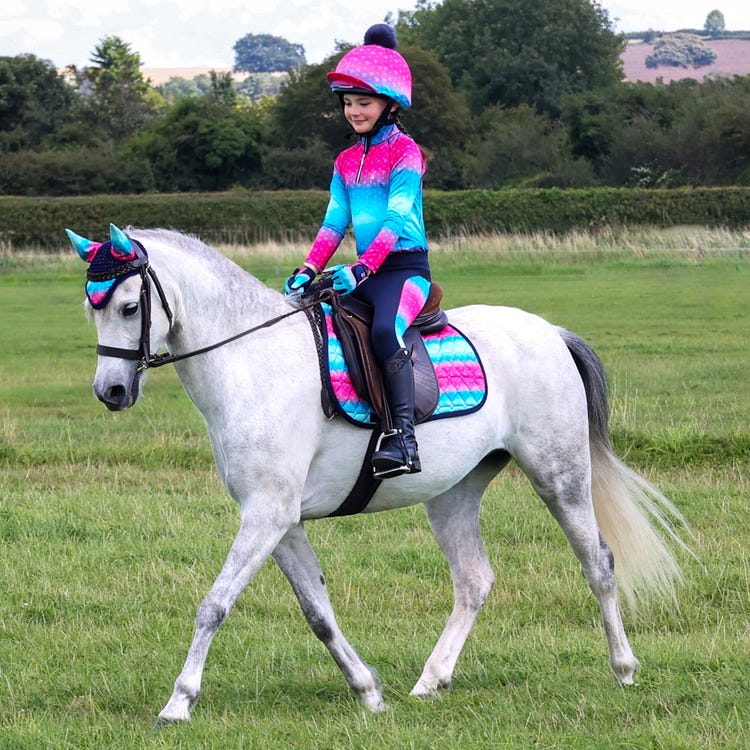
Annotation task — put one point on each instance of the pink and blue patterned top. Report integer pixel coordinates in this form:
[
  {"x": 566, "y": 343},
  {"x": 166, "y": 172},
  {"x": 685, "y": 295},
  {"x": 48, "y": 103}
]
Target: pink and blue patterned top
[{"x": 377, "y": 189}]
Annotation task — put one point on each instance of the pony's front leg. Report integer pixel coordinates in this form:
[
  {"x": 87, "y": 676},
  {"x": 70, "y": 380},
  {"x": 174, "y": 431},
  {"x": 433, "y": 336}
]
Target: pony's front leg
[
  {"x": 300, "y": 565},
  {"x": 253, "y": 544}
]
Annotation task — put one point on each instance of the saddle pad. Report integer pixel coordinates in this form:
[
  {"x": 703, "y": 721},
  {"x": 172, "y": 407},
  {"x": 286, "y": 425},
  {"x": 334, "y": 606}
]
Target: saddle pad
[{"x": 460, "y": 375}]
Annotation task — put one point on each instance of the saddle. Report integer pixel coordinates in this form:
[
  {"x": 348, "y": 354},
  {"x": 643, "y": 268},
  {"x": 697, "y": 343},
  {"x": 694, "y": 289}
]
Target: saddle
[
  {"x": 448, "y": 374},
  {"x": 352, "y": 319}
]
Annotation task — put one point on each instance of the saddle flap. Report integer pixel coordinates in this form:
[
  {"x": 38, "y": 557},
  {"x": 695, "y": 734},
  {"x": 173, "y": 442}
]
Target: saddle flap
[
  {"x": 426, "y": 387},
  {"x": 354, "y": 336},
  {"x": 365, "y": 374}
]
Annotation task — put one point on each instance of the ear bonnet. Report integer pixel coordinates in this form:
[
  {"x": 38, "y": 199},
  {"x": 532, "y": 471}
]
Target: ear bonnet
[{"x": 110, "y": 263}]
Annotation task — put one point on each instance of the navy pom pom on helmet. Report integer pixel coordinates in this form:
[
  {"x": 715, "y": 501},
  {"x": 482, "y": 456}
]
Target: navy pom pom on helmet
[{"x": 381, "y": 34}]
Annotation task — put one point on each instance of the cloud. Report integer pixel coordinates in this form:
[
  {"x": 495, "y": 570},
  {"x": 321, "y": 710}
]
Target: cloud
[
  {"x": 190, "y": 33},
  {"x": 202, "y": 33},
  {"x": 670, "y": 15}
]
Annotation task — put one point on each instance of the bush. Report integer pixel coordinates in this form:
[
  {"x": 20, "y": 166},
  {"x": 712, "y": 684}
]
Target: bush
[
  {"x": 245, "y": 217},
  {"x": 237, "y": 217},
  {"x": 71, "y": 171},
  {"x": 681, "y": 51}
]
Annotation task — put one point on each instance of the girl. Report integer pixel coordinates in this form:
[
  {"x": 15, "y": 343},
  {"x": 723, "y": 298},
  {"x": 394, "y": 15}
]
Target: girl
[{"x": 377, "y": 189}]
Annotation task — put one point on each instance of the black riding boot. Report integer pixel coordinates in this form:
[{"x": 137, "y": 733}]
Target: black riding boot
[{"x": 396, "y": 452}]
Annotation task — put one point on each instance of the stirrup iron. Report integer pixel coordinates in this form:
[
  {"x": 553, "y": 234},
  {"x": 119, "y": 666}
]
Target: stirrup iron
[{"x": 408, "y": 464}]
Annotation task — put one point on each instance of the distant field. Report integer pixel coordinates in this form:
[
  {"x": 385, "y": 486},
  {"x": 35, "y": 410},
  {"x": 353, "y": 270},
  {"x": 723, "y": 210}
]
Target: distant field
[
  {"x": 162, "y": 75},
  {"x": 732, "y": 59}
]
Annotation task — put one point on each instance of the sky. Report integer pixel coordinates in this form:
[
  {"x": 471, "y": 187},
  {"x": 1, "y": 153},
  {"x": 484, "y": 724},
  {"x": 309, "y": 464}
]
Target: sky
[{"x": 202, "y": 33}]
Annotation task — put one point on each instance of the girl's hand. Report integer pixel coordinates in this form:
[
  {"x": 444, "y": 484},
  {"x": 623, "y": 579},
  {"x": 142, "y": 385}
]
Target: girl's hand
[
  {"x": 298, "y": 282},
  {"x": 347, "y": 278}
]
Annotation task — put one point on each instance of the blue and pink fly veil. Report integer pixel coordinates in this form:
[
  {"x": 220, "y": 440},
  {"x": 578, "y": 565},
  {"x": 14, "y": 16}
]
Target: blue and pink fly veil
[{"x": 110, "y": 263}]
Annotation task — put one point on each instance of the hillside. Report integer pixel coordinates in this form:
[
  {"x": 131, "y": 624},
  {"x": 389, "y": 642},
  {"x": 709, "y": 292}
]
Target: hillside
[
  {"x": 162, "y": 75},
  {"x": 732, "y": 59}
]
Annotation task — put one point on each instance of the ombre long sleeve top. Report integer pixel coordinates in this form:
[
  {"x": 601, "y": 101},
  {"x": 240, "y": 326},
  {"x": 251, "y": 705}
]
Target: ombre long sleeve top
[{"x": 377, "y": 190}]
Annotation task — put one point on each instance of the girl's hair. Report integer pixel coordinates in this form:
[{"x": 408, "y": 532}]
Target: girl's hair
[{"x": 427, "y": 155}]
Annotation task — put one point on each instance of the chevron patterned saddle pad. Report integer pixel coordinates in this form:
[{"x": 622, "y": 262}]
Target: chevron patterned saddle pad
[{"x": 458, "y": 371}]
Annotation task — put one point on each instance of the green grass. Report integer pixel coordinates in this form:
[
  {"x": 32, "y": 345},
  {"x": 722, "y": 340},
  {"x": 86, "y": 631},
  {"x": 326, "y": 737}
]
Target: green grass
[{"x": 113, "y": 526}]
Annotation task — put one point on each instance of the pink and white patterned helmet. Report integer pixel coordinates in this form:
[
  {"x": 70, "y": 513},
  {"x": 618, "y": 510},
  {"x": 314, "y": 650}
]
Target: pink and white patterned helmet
[{"x": 375, "y": 68}]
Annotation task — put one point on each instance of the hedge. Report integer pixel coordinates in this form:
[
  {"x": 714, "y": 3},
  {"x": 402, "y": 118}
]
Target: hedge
[{"x": 244, "y": 217}]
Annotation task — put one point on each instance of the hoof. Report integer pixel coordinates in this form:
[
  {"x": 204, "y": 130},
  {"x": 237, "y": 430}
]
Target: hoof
[
  {"x": 624, "y": 671},
  {"x": 425, "y": 692},
  {"x": 377, "y": 707},
  {"x": 162, "y": 722}
]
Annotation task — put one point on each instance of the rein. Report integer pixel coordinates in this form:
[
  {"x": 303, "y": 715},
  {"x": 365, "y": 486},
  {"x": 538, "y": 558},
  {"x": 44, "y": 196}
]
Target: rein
[{"x": 143, "y": 352}]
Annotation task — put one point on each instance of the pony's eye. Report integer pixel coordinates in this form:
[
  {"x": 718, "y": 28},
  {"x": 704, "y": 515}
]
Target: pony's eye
[{"x": 131, "y": 308}]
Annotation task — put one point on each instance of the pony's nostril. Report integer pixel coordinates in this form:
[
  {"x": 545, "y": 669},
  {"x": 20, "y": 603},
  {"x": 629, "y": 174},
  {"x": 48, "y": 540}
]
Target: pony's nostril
[{"x": 114, "y": 397}]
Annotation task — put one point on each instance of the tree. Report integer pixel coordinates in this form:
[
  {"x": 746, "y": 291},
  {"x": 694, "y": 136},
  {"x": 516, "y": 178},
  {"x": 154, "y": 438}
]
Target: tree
[
  {"x": 177, "y": 87},
  {"x": 513, "y": 52},
  {"x": 222, "y": 88},
  {"x": 522, "y": 147},
  {"x": 439, "y": 119},
  {"x": 118, "y": 98},
  {"x": 259, "y": 85},
  {"x": 681, "y": 51},
  {"x": 209, "y": 142},
  {"x": 264, "y": 53},
  {"x": 34, "y": 102},
  {"x": 714, "y": 25}
]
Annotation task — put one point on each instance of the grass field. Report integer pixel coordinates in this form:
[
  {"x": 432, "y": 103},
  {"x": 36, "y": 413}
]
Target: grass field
[{"x": 113, "y": 526}]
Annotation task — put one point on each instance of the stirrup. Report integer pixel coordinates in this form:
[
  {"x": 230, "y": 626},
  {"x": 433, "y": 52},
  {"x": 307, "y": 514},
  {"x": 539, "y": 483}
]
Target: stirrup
[{"x": 409, "y": 464}]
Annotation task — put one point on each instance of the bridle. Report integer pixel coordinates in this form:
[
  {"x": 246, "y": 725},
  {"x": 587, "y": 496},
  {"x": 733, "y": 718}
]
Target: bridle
[
  {"x": 143, "y": 352},
  {"x": 143, "y": 355}
]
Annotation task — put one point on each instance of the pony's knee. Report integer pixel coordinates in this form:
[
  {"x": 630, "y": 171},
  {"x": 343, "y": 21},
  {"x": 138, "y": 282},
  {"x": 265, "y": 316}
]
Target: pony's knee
[
  {"x": 320, "y": 626},
  {"x": 474, "y": 589},
  {"x": 600, "y": 572},
  {"x": 210, "y": 615}
]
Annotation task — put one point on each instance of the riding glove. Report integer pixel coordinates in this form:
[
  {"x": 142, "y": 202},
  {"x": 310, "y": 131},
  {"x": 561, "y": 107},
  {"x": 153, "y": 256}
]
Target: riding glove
[
  {"x": 347, "y": 278},
  {"x": 300, "y": 279}
]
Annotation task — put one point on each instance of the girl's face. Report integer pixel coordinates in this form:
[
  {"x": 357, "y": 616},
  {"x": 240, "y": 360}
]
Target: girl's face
[{"x": 362, "y": 111}]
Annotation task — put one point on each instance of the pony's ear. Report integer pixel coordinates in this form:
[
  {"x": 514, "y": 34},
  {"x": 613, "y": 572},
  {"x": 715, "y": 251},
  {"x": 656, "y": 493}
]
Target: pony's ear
[
  {"x": 122, "y": 247},
  {"x": 86, "y": 248}
]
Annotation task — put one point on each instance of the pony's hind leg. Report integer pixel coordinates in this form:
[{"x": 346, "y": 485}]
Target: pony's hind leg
[
  {"x": 567, "y": 494},
  {"x": 454, "y": 519},
  {"x": 300, "y": 565}
]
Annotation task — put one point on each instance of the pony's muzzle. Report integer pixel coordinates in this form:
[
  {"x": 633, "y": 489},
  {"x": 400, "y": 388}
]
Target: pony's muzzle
[
  {"x": 115, "y": 398},
  {"x": 118, "y": 396}
]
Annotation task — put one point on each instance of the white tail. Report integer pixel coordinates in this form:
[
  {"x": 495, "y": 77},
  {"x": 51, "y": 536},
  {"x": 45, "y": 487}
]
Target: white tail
[{"x": 636, "y": 520}]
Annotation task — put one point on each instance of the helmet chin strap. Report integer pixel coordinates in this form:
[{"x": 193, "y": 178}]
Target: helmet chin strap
[{"x": 388, "y": 116}]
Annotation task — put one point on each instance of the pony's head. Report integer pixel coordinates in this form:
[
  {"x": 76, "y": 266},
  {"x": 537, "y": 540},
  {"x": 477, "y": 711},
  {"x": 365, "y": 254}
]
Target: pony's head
[{"x": 118, "y": 298}]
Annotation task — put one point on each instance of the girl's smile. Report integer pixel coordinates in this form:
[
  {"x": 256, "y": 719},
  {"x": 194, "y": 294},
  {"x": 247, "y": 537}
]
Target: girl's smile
[{"x": 362, "y": 111}]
